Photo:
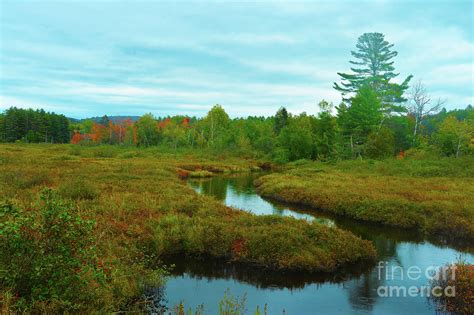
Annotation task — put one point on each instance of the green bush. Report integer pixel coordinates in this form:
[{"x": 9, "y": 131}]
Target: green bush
[
  {"x": 127, "y": 155},
  {"x": 281, "y": 156},
  {"x": 105, "y": 151},
  {"x": 23, "y": 180},
  {"x": 64, "y": 157},
  {"x": 78, "y": 189},
  {"x": 75, "y": 150},
  {"x": 4, "y": 160},
  {"x": 201, "y": 174},
  {"x": 380, "y": 144},
  {"x": 48, "y": 255}
]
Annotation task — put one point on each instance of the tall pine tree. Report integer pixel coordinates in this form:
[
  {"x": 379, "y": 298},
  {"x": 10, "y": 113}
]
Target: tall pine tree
[{"x": 373, "y": 66}]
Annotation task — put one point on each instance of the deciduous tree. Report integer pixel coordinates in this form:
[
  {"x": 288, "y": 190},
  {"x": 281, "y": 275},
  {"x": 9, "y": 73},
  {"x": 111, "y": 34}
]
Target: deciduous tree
[{"x": 420, "y": 105}]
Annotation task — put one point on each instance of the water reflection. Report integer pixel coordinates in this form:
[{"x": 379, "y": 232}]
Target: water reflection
[
  {"x": 239, "y": 192},
  {"x": 352, "y": 291},
  {"x": 213, "y": 269}
]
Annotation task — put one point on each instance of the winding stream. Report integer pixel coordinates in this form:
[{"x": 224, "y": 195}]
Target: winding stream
[{"x": 197, "y": 282}]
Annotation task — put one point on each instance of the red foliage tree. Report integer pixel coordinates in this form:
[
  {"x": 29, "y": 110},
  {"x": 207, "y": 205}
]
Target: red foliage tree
[{"x": 76, "y": 138}]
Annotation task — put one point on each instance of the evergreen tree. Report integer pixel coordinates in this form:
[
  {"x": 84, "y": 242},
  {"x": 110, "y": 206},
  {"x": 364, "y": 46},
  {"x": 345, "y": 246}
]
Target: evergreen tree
[
  {"x": 325, "y": 131},
  {"x": 30, "y": 125},
  {"x": 374, "y": 67},
  {"x": 2, "y": 128},
  {"x": 104, "y": 121},
  {"x": 281, "y": 119},
  {"x": 361, "y": 118}
]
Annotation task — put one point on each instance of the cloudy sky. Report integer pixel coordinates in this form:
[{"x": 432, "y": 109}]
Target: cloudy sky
[{"x": 89, "y": 58}]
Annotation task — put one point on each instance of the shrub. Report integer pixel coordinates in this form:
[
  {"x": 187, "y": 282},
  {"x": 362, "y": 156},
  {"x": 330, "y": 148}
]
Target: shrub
[
  {"x": 459, "y": 276},
  {"x": 301, "y": 162},
  {"x": 128, "y": 155},
  {"x": 78, "y": 189},
  {"x": 4, "y": 160},
  {"x": 416, "y": 154},
  {"x": 106, "y": 151},
  {"x": 48, "y": 256},
  {"x": 281, "y": 156},
  {"x": 232, "y": 304},
  {"x": 64, "y": 157},
  {"x": 200, "y": 174},
  {"x": 75, "y": 150},
  {"x": 229, "y": 305},
  {"x": 23, "y": 180},
  {"x": 380, "y": 144}
]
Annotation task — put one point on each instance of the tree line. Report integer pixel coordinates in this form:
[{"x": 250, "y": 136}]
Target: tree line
[
  {"x": 28, "y": 125},
  {"x": 377, "y": 118}
]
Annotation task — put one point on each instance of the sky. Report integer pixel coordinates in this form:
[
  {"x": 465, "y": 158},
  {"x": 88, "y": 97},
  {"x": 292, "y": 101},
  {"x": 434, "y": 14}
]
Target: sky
[{"x": 90, "y": 58}]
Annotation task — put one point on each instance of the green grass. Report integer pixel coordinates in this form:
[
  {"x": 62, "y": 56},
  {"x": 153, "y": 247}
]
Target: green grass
[
  {"x": 200, "y": 174},
  {"x": 435, "y": 196},
  {"x": 78, "y": 188},
  {"x": 145, "y": 212}
]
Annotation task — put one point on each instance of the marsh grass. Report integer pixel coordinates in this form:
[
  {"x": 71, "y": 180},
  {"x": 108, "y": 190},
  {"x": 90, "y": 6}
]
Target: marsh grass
[
  {"x": 229, "y": 305},
  {"x": 104, "y": 151},
  {"x": 200, "y": 174},
  {"x": 78, "y": 188},
  {"x": 20, "y": 179},
  {"x": 75, "y": 150},
  {"x": 64, "y": 157},
  {"x": 436, "y": 197}
]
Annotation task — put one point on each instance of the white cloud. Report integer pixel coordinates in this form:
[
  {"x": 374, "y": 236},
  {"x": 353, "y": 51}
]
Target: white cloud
[
  {"x": 195, "y": 56},
  {"x": 456, "y": 74},
  {"x": 11, "y": 101},
  {"x": 256, "y": 39},
  {"x": 313, "y": 70}
]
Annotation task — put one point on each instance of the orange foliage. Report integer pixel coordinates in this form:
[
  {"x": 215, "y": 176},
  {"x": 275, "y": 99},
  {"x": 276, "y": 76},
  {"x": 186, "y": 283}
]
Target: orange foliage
[
  {"x": 183, "y": 174},
  {"x": 185, "y": 122},
  {"x": 76, "y": 138},
  {"x": 113, "y": 133},
  {"x": 98, "y": 132},
  {"x": 238, "y": 247},
  {"x": 163, "y": 124}
]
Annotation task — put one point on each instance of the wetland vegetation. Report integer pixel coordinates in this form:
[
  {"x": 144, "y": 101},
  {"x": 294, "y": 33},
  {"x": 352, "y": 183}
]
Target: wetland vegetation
[{"x": 94, "y": 213}]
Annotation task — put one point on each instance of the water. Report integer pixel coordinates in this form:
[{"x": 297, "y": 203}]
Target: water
[{"x": 355, "y": 292}]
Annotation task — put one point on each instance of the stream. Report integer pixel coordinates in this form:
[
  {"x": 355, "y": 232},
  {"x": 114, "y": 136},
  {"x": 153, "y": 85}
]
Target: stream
[{"x": 353, "y": 292}]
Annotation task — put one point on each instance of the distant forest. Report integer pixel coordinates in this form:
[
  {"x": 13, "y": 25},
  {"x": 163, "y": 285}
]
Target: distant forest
[
  {"x": 282, "y": 137},
  {"x": 377, "y": 118},
  {"x": 28, "y": 125}
]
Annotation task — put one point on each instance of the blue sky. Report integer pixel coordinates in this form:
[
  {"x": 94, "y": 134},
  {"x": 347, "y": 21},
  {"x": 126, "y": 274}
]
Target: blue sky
[{"x": 89, "y": 58}]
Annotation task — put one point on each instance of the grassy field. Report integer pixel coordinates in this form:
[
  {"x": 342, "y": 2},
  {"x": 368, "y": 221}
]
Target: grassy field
[
  {"x": 144, "y": 211},
  {"x": 435, "y": 196}
]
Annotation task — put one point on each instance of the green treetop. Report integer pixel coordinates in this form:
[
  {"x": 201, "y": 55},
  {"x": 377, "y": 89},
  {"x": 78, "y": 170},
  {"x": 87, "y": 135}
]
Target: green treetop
[{"x": 373, "y": 66}]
